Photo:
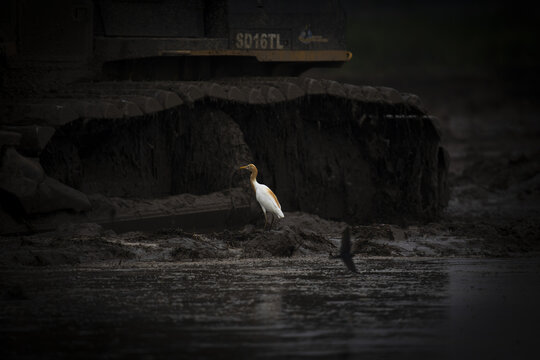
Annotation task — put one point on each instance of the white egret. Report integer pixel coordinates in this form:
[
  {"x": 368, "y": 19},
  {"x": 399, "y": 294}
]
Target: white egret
[{"x": 266, "y": 198}]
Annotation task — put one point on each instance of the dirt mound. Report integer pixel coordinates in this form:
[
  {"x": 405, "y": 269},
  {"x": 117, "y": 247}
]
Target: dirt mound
[
  {"x": 298, "y": 234},
  {"x": 70, "y": 244},
  {"x": 83, "y": 243}
]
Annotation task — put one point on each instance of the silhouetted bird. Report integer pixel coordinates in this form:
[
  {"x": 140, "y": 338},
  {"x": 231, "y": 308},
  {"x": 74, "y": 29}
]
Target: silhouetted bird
[{"x": 345, "y": 250}]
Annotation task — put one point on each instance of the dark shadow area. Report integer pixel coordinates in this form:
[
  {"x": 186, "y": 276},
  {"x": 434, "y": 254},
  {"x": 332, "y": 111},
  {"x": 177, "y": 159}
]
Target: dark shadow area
[
  {"x": 195, "y": 68},
  {"x": 476, "y": 67}
]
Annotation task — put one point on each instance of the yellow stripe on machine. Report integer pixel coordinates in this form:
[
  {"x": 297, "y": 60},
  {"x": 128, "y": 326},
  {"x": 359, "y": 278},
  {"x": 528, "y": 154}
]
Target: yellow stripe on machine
[{"x": 269, "y": 55}]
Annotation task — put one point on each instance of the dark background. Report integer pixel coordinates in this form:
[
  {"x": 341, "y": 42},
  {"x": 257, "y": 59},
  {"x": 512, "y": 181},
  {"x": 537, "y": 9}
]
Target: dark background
[
  {"x": 442, "y": 38},
  {"x": 474, "y": 64}
]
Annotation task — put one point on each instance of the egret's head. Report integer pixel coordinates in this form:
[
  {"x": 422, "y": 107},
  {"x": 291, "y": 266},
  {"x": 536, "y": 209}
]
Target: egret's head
[{"x": 249, "y": 167}]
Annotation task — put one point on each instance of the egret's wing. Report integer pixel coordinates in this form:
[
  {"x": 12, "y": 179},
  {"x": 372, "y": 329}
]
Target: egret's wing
[
  {"x": 273, "y": 196},
  {"x": 349, "y": 263},
  {"x": 268, "y": 200},
  {"x": 345, "y": 248}
]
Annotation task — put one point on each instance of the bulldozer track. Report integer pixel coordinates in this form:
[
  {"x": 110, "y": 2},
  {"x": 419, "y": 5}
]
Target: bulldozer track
[
  {"x": 121, "y": 99},
  {"x": 248, "y": 106}
]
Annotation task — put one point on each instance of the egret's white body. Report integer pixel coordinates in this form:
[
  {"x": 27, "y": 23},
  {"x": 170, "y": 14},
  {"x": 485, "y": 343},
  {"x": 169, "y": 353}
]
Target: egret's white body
[{"x": 266, "y": 198}]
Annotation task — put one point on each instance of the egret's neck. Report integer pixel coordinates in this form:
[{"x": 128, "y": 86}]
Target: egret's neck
[{"x": 253, "y": 178}]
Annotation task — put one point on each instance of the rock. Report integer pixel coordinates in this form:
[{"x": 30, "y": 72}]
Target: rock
[
  {"x": 20, "y": 175},
  {"x": 25, "y": 179},
  {"x": 52, "y": 195},
  {"x": 9, "y": 138},
  {"x": 33, "y": 139}
]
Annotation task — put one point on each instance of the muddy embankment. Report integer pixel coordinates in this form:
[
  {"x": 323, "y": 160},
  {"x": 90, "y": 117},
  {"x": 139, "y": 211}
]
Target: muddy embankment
[
  {"x": 298, "y": 234},
  {"x": 482, "y": 220},
  {"x": 359, "y": 157}
]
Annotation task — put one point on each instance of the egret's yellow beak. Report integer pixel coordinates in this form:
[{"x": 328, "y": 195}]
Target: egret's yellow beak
[{"x": 243, "y": 167}]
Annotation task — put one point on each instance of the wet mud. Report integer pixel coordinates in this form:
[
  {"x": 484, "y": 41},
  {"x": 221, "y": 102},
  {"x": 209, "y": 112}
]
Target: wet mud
[
  {"x": 487, "y": 216},
  {"x": 295, "y": 236}
]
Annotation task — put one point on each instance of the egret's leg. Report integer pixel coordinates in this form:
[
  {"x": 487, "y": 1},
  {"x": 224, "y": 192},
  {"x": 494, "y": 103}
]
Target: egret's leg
[
  {"x": 272, "y": 223},
  {"x": 265, "y": 219}
]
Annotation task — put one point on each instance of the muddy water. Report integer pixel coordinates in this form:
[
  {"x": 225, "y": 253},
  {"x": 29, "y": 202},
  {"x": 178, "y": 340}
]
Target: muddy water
[{"x": 273, "y": 308}]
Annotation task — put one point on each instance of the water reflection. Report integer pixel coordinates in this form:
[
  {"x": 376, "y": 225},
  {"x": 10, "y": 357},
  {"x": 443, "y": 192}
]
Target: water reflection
[
  {"x": 246, "y": 309},
  {"x": 269, "y": 306}
]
